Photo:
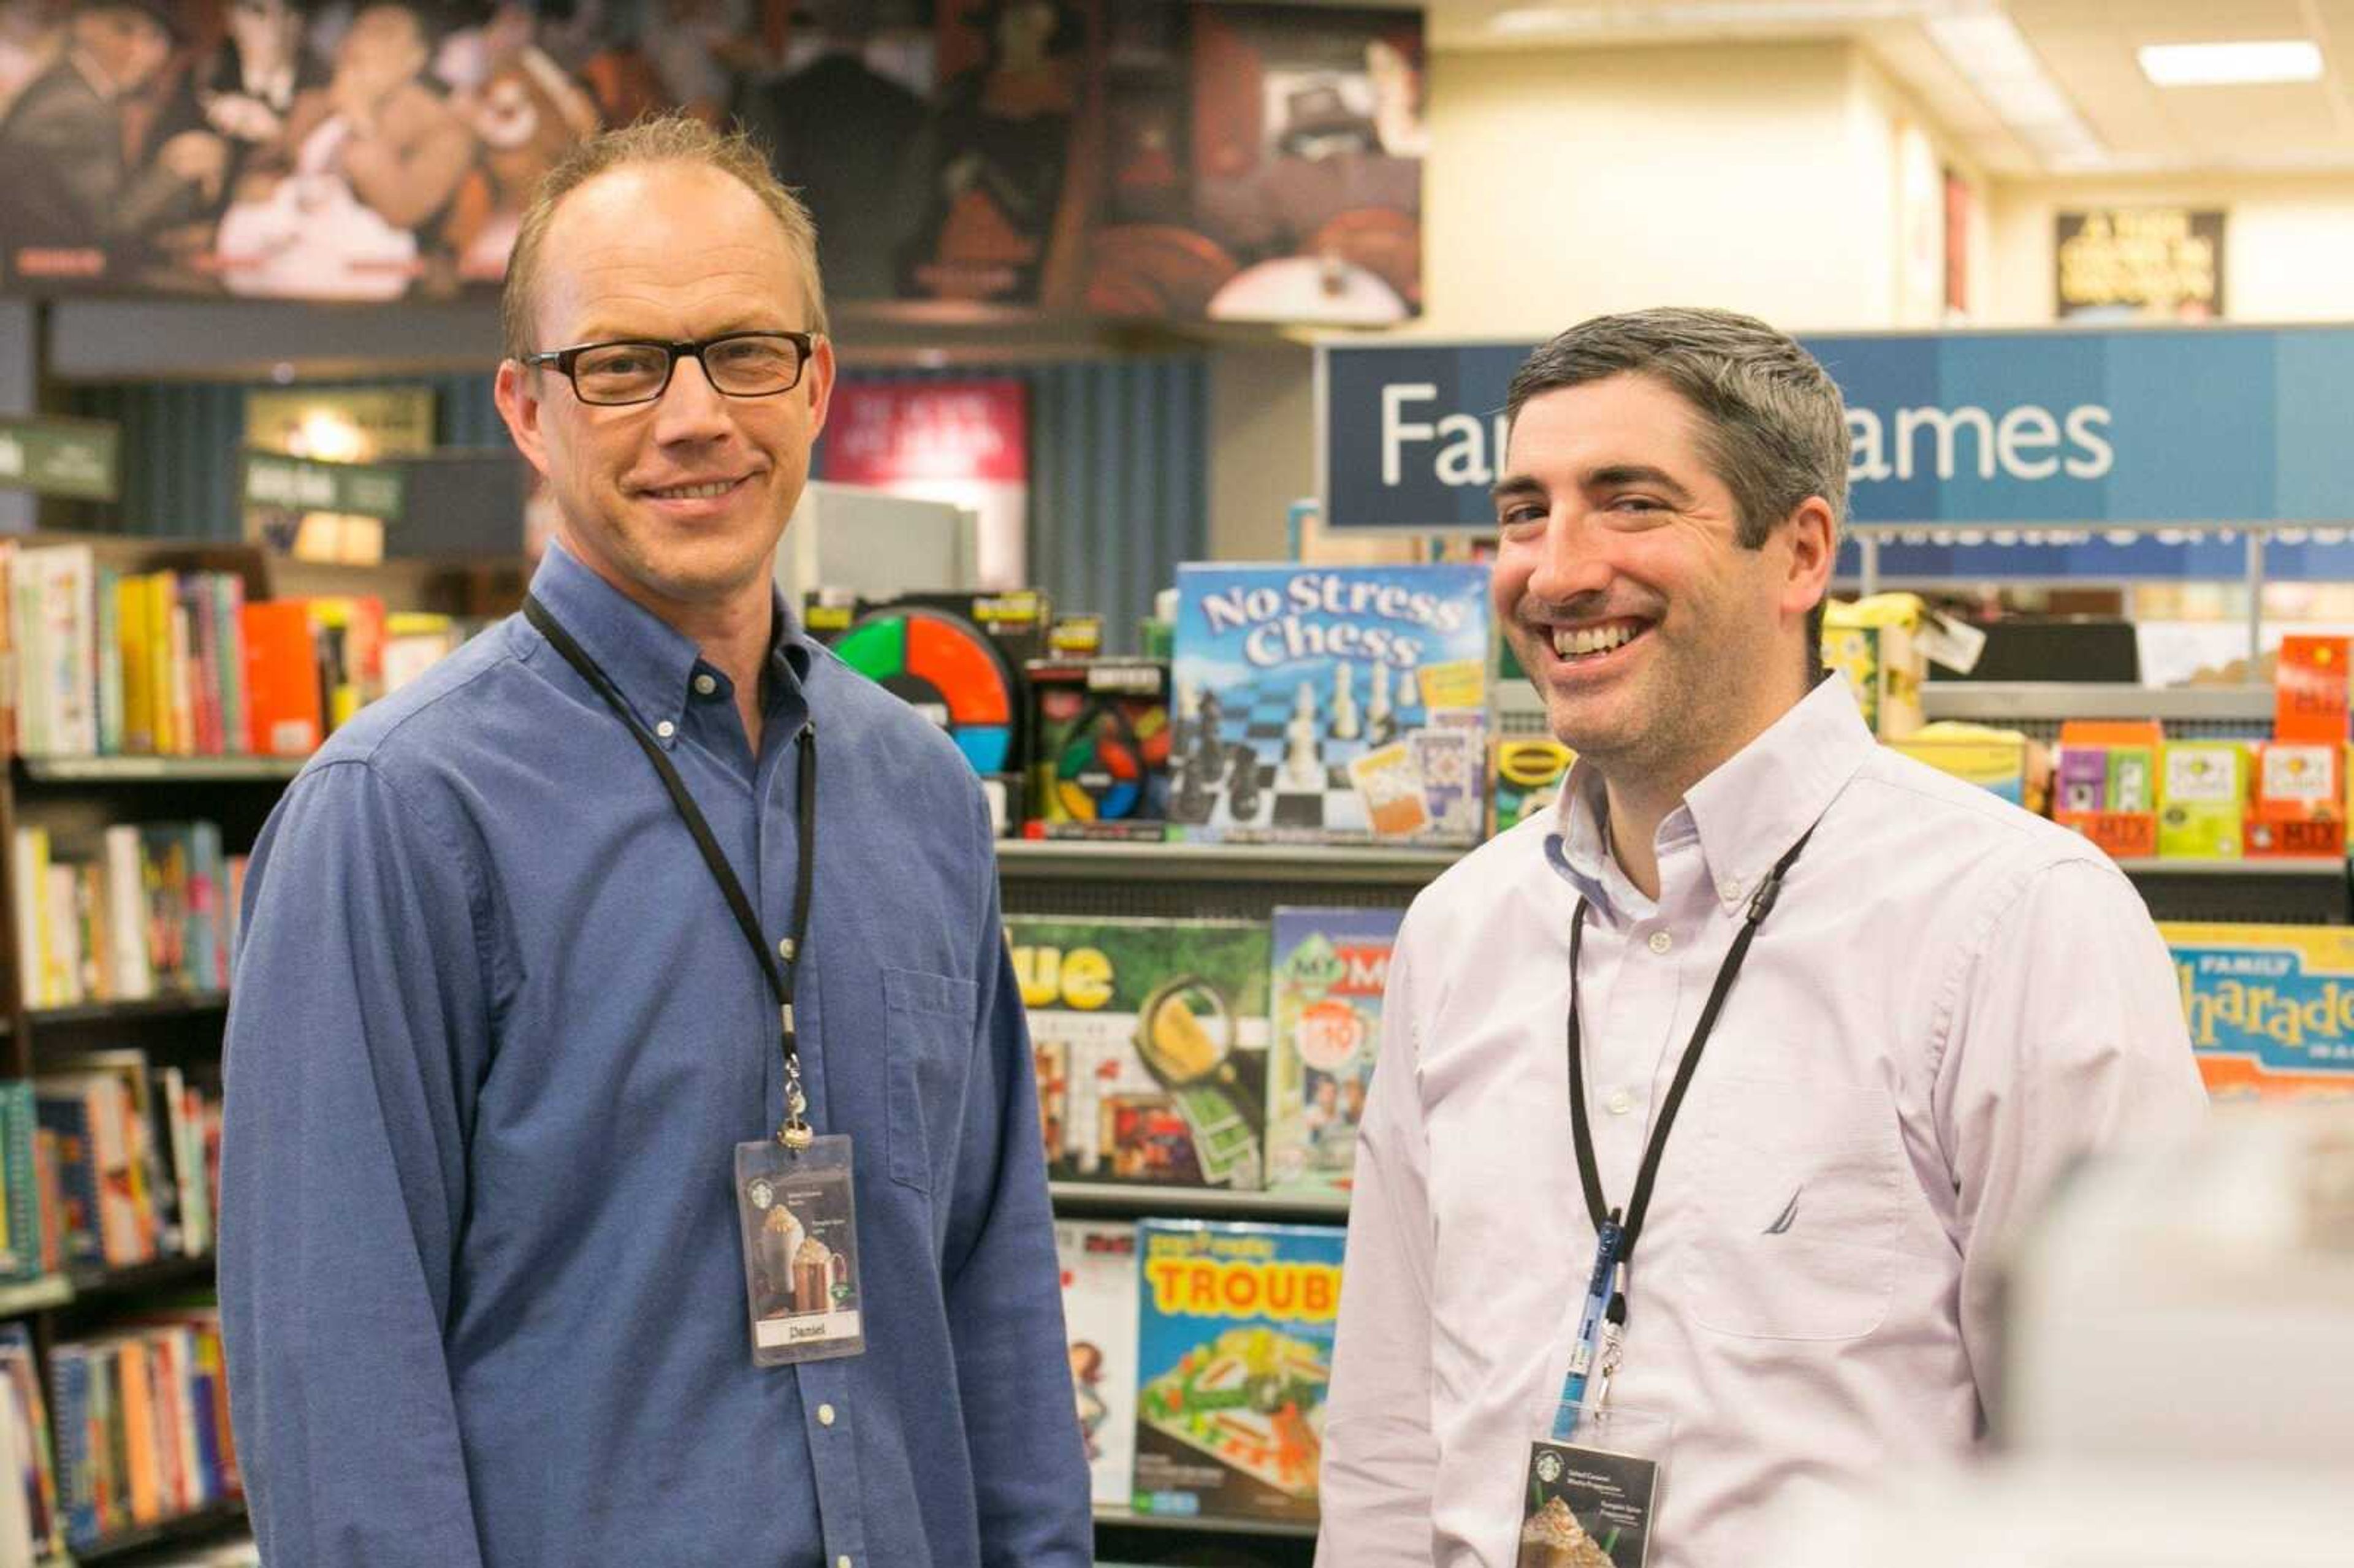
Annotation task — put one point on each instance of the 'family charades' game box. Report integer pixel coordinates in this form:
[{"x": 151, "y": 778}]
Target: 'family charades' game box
[
  {"x": 2271, "y": 1008},
  {"x": 1235, "y": 1328},
  {"x": 1330, "y": 704}
]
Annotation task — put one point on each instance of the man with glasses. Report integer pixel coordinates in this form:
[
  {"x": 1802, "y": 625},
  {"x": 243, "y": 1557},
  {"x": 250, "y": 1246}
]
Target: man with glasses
[{"x": 534, "y": 946}]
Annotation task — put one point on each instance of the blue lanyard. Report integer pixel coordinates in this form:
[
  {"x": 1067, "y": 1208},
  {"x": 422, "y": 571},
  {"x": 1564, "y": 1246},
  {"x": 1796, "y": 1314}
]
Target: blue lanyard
[{"x": 1603, "y": 1318}]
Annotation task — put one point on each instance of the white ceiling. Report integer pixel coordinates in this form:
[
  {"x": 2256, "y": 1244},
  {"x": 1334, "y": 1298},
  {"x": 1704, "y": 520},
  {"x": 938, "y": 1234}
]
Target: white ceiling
[{"x": 2086, "y": 46}]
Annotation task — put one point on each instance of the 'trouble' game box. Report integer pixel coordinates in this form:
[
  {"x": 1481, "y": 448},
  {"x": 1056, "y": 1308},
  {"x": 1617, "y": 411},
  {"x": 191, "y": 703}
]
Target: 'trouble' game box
[
  {"x": 1330, "y": 704},
  {"x": 2271, "y": 1008},
  {"x": 1150, "y": 1041},
  {"x": 1235, "y": 1326},
  {"x": 1330, "y": 969}
]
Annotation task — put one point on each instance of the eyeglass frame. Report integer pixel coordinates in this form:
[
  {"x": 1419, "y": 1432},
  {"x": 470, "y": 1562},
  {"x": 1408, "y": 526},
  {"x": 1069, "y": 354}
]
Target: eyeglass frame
[{"x": 564, "y": 359}]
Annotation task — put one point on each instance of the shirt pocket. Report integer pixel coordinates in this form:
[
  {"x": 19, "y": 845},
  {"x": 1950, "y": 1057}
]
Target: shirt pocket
[
  {"x": 1799, "y": 1210},
  {"x": 928, "y": 1030}
]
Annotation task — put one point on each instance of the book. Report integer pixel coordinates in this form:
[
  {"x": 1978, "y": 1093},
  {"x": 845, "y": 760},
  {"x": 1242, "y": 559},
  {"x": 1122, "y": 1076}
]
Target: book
[
  {"x": 21, "y": 1252},
  {"x": 1235, "y": 1327},
  {"x": 284, "y": 716},
  {"x": 1330, "y": 967},
  {"x": 1149, "y": 1042},
  {"x": 1343, "y": 704},
  {"x": 1098, "y": 1259},
  {"x": 28, "y": 1413}
]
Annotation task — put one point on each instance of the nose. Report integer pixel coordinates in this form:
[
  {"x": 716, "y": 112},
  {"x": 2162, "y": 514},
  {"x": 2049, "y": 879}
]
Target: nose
[
  {"x": 1570, "y": 563},
  {"x": 691, "y": 409}
]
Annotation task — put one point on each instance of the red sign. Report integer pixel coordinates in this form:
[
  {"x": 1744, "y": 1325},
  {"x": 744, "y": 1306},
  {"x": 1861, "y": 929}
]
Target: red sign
[{"x": 893, "y": 433}]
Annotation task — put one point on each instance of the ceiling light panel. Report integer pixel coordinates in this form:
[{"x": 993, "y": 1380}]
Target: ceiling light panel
[{"x": 2244, "y": 63}]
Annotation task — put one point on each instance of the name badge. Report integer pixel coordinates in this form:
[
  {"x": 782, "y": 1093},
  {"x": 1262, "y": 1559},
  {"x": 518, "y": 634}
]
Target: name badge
[
  {"x": 1591, "y": 1501},
  {"x": 797, "y": 1209}
]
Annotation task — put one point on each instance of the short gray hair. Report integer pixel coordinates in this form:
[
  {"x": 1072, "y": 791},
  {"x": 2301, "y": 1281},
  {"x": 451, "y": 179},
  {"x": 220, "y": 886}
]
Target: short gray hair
[{"x": 1772, "y": 424}]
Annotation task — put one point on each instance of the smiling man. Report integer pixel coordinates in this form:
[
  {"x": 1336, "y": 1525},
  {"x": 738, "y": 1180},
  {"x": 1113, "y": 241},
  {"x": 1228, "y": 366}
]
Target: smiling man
[
  {"x": 631, "y": 1152},
  {"x": 1719, "y": 1084}
]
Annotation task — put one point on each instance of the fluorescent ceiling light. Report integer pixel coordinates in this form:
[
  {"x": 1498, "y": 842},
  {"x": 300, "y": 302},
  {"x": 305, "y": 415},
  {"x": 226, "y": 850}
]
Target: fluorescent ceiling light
[
  {"x": 2222, "y": 65},
  {"x": 1621, "y": 16}
]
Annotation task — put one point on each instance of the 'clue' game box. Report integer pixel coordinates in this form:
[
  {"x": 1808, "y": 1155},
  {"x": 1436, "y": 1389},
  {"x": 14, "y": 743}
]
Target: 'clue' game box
[
  {"x": 1150, "y": 1041},
  {"x": 1330, "y": 704},
  {"x": 1235, "y": 1326}
]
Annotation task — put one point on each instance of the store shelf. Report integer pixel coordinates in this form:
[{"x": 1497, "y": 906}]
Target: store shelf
[
  {"x": 97, "y": 1284},
  {"x": 2324, "y": 868},
  {"x": 159, "y": 769},
  {"x": 1322, "y": 864},
  {"x": 174, "y": 1004},
  {"x": 35, "y": 1294},
  {"x": 1129, "y": 1519},
  {"x": 1119, "y": 1200},
  {"x": 187, "y": 1528},
  {"x": 2014, "y": 701}
]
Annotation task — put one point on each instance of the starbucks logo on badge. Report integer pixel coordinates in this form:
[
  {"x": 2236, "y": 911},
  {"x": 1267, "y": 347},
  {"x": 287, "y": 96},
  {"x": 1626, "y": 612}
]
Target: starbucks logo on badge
[
  {"x": 1548, "y": 1468},
  {"x": 763, "y": 1194}
]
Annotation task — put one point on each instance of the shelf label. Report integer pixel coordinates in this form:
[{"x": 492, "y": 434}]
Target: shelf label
[
  {"x": 303, "y": 484},
  {"x": 75, "y": 460}
]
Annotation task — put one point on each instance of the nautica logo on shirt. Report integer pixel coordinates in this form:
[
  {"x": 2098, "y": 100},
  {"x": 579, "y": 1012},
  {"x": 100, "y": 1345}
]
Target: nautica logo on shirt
[{"x": 1783, "y": 1221}]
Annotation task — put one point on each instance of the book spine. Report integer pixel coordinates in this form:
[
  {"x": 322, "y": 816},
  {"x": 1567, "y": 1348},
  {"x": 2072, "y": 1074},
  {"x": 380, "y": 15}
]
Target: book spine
[
  {"x": 29, "y": 874},
  {"x": 17, "y": 1122},
  {"x": 107, "y": 638},
  {"x": 137, "y": 661}
]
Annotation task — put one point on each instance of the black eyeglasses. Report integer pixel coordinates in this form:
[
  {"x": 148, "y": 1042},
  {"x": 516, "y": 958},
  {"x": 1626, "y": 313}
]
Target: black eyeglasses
[{"x": 738, "y": 364}]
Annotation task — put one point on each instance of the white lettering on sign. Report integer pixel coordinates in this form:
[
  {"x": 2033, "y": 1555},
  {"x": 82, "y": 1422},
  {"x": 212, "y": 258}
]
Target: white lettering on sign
[
  {"x": 2022, "y": 443},
  {"x": 269, "y": 484},
  {"x": 1471, "y": 451},
  {"x": 12, "y": 458},
  {"x": 1397, "y": 432}
]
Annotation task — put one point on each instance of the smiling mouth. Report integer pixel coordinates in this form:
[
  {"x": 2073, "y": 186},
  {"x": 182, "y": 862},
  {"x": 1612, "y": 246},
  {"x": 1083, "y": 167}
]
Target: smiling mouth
[
  {"x": 1582, "y": 644},
  {"x": 716, "y": 487}
]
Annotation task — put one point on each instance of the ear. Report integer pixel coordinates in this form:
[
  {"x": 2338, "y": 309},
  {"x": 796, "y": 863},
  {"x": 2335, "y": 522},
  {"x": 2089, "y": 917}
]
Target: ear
[
  {"x": 1813, "y": 536},
  {"x": 517, "y": 393},
  {"x": 817, "y": 384}
]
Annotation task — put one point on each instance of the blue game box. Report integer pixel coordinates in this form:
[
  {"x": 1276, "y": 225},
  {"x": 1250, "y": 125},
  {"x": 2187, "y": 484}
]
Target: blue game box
[{"x": 1330, "y": 704}]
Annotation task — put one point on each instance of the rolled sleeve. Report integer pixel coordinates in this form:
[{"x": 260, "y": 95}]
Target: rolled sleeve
[{"x": 358, "y": 1024}]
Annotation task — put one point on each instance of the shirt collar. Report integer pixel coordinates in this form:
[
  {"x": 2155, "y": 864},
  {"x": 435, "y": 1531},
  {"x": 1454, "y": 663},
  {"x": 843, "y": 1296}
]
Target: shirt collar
[
  {"x": 651, "y": 663},
  {"x": 1746, "y": 814}
]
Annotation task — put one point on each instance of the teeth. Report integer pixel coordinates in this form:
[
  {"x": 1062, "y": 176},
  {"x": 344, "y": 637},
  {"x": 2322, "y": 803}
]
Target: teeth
[
  {"x": 696, "y": 491},
  {"x": 1587, "y": 640}
]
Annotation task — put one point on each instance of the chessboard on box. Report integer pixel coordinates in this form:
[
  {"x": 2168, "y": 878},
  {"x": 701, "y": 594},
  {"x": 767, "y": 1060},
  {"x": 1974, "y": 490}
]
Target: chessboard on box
[
  {"x": 1330, "y": 704},
  {"x": 956, "y": 659},
  {"x": 1098, "y": 749}
]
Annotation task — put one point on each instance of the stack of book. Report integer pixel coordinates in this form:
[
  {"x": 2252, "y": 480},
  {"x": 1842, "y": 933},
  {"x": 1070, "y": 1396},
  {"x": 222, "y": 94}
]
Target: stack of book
[
  {"x": 145, "y": 909},
  {"x": 142, "y": 1428},
  {"x": 175, "y": 663},
  {"x": 109, "y": 1164}
]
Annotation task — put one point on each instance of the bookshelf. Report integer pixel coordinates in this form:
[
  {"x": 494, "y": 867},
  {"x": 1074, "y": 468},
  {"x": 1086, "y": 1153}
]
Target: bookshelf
[{"x": 79, "y": 1307}]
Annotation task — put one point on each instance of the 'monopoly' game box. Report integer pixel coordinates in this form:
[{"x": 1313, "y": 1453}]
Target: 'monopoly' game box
[
  {"x": 2271, "y": 1008},
  {"x": 1330, "y": 704},
  {"x": 1234, "y": 1353},
  {"x": 1150, "y": 1041},
  {"x": 1330, "y": 969}
]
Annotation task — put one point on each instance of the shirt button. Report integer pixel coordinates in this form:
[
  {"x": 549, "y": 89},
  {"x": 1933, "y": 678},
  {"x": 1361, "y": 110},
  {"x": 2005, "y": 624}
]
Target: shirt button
[
  {"x": 705, "y": 685},
  {"x": 665, "y": 729},
  {"x": 785, "y": 948},
  {"x": 1621, "y": 1102},
  {"x": 1730, "y": 888},
  {"x": 842, "y": 1562},
  {"x": 1661, "y": 941},
  {"x": 825, "y": 1415}
]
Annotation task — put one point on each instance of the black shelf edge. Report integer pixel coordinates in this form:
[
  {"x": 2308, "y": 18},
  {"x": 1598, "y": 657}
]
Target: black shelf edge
[
  {"x": 181, "y": 1528},
  {"x": 170, "y": 1004},
  {"x": 1202, "y": 1524},
  {"x": 103, "y": 1284},
  {"x": 1115, "y": 1199}
]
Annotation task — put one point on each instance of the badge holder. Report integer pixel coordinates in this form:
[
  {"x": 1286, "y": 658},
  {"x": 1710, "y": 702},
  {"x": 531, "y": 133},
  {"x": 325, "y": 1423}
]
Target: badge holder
[
  {"x": 1594, "y": 1499},
  {"x": 798, "y": 1213}
]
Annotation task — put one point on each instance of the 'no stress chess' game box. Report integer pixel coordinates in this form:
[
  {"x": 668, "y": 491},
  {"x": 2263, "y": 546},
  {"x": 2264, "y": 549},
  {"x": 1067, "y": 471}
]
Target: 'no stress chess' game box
[{"x": 1330, "y": 704}]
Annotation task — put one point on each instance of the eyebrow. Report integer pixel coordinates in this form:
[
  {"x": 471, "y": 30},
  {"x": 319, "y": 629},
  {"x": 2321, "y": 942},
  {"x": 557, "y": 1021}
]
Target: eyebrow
[
  {"x": 601, "y": 331},
  {"x": 1618, "y": 476},
  {"x": 1512, "y": 487}
]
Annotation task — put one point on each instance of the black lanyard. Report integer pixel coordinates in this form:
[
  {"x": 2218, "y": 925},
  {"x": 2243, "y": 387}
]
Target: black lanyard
[
  {"x": 1760, "y": 904},
  {"x": 795, "y": 1133}
]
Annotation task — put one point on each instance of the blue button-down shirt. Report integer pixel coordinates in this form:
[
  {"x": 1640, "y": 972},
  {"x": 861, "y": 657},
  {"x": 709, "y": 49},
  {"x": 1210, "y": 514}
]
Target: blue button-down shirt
[{"x": 493, "y": 1041}]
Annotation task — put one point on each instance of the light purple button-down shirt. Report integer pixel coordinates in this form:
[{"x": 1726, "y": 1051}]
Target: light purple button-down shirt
[{"x": 1949, "y": 1001}]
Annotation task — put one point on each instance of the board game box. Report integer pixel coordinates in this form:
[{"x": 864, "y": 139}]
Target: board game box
[
  {"x": 1149, "y": 1039},
  {"x": 1098, "y": 749},
  {"x": 1330, "y": 704},
  {"x": 1235, "y": 1326},
  {"x": 2271, "y": 1008},
  {"x": 1330, "y": 966},
  {"x": 1098, "y": 1258}
]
